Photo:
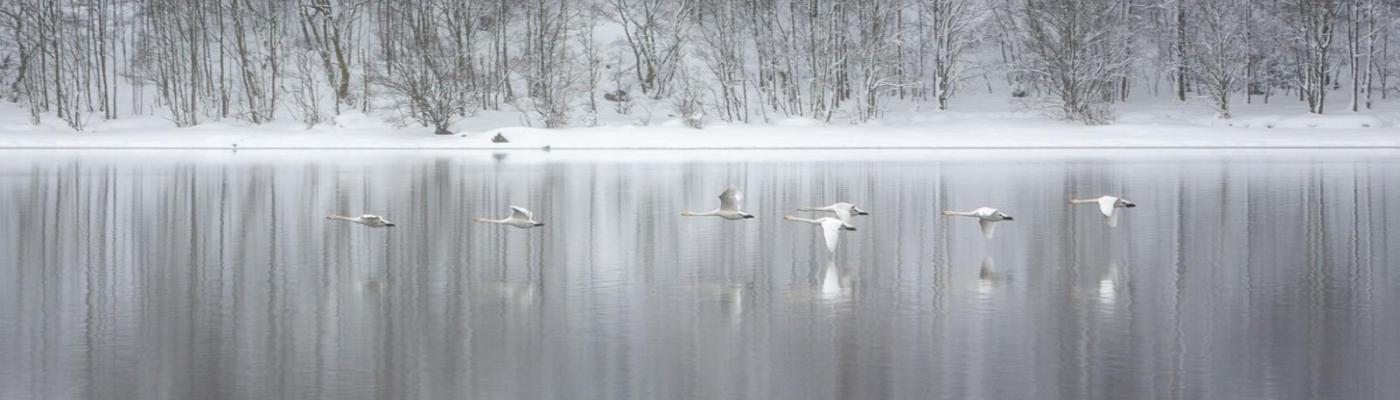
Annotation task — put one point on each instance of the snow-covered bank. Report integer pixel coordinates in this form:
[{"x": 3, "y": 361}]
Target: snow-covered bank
[
  {"x": 1141, "y": 127},
  {"x": 19, "y": 160}
]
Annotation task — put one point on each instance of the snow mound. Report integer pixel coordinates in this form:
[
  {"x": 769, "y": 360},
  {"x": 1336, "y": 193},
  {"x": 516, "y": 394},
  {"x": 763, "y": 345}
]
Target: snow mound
[
  {"x": 798, "y": 121},
  {"x": 672, "y": 123},
  {"x": 359, "y": 120},
  {"x": 1314, "y": 121}
]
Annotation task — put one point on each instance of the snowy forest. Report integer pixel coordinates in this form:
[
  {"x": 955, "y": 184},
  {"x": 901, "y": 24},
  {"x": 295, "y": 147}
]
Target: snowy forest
[{"x": 560, "y": 63}]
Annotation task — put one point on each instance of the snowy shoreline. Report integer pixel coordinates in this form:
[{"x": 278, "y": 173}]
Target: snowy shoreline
[
  {"x": 722, "y": 138},
  {"x": 1149, "y": 126}
]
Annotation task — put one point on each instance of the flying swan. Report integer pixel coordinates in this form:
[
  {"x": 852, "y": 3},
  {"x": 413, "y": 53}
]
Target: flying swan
[
  {"x": 844, "y": 211},
  {"x": 370, "y": 220},
  {"x": 987, "y": 216},
  {"x": 519, "y": 218},
  {"x": 729, "y": 203},
  {"x": 1108, "y": 205},
  {"x": 831, "y": 228}
]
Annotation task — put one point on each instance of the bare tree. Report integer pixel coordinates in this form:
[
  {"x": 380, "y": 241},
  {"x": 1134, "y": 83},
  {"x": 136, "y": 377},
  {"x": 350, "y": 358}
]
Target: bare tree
[
  {"x": 592, "y": 60},
  {"x": 874, "y": 55},
  {"x": 654, "y": 30},
  {"x": 428, "y": 80},
  {"x": 1219, "y": 42},
  {"x": 688, "y": 102},
  {"x": 778, "y": 53},
  {"x": 1362, "y": 33},
  {"x": 327, "y": 27},
  {"x": 1310, "y": 27},
  {"x": 548, "y": 75},
  {"x": 173, "y": 58},
  {"x": 1180, "y": 58},
  {"x": 258, "y": 52},
  {"x": 951, "y": 25},
  {"x": 724, "y": 51},
  {"x": 1073, "y": 55}
]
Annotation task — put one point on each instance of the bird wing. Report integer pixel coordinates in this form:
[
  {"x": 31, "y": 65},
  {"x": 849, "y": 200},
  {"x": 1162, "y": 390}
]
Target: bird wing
[
  {"x": 1111, "y": 220},
  {"x": 521, "y": 213},
  {"x": 831, "y": 231},
  {"x": 1106, "y": 204},
  {"x": 730, "y": 199},
  {"x": 988, "y": 228},
  {"x": 843, "y": 214}
]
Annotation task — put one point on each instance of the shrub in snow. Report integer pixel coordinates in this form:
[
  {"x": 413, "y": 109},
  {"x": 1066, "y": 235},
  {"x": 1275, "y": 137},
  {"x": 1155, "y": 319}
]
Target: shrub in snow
[
  {"x": 689, "y": 109},
  {"x": 306, "y": 96},
  {"x": 624, "y": 102},
  {"x": 1074, "y": 55},
  {"x": 1019, "y": 91},
  {"x": 590, "y": 118},
  {"x": 688, "y": 102},
  {"x": 616, "y": 96}
]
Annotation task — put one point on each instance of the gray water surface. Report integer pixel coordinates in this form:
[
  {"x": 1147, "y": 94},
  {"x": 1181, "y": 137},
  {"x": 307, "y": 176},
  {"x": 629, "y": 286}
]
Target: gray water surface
[{"x": 215, "y": 276}]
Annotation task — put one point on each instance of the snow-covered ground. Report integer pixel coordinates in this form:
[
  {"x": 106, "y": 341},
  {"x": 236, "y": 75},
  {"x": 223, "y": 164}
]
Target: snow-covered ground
[{"x": 979, "y": 123}]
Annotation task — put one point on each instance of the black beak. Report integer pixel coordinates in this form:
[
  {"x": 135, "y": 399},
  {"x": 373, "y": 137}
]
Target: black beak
[
  {"x": 748, "y": 217},
  {"x": 390, "y": 225},
  {"x": 1130, "y": 205},
  {"x": 539, "y": 224},
  {"x": 1008, "y": 218},
  {"x": 862, "y": 213},
  {"x": 849, "y": 228}
]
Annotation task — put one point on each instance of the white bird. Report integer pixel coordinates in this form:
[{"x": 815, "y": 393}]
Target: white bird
[
  {"x": 987, "y": 216},
  {"x": 519, "y": 218},
  {"x": 729, "y": 203},
  {"x": 831, "y": 228},
  {"x": 370, "y": 220},
  {"x": 1108, "y": 205},
  {"x": 844, "y": 211}
]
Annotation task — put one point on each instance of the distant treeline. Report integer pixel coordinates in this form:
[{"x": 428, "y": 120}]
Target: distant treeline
[{"x": 559, "y": 62}]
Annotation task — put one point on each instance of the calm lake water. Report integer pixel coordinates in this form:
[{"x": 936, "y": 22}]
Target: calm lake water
[{"x": 214, "y": 275}]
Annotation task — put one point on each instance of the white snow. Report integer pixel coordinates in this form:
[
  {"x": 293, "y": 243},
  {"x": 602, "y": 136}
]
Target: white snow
[{"x": 988, "y": 124}]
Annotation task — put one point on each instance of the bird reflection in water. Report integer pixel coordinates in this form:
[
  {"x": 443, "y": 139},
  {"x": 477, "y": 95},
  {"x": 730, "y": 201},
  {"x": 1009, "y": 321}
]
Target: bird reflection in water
[
  {"x": 831, "y": 287},
  {"x": 987, "y": 277},
  {"x": 731, "y": 301},
  {"x": 1108, "y": 284},
  {"x": 520, "y": 295}
]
